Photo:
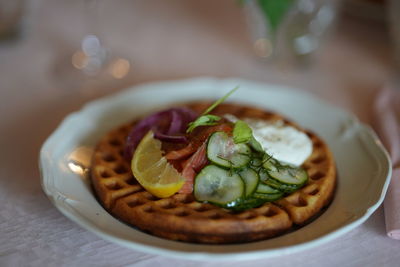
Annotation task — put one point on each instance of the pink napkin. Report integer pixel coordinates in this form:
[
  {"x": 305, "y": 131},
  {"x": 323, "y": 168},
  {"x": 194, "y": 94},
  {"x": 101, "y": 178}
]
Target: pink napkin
[{"x": 387, "y": 122}]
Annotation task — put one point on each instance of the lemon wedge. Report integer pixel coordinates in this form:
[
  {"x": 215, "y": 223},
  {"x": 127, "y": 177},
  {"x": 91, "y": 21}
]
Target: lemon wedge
[{"x": 153, "y": 171}]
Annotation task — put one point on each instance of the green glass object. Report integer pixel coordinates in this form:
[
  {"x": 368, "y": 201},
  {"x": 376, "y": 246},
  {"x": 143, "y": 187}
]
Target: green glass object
[{"x": 275, "y": 11}]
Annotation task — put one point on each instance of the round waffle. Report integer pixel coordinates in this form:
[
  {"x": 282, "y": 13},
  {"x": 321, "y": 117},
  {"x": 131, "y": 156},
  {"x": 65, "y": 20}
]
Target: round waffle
[{"x": 181, "y": 217}]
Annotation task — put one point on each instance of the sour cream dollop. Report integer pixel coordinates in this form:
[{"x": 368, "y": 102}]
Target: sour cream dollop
[{"x": 285, "y": 143}]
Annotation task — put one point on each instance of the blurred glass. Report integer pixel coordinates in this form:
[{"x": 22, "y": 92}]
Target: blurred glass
[
  {"x": 288, "y": 30},
  {"x": 94, "y": 58},
  {"x": 11, "y": 12},
  {"x": 85, "y": 59}
]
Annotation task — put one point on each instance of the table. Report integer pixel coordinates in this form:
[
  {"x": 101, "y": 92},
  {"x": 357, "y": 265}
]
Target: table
[{"x": 164, "y": 40}]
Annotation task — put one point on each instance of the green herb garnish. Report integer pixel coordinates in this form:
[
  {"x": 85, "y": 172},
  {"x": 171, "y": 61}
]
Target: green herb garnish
[
  {"x": 205, "y": 119},
  {"x": 242, "y": 132},
  {"x": 256, "y": 145}
]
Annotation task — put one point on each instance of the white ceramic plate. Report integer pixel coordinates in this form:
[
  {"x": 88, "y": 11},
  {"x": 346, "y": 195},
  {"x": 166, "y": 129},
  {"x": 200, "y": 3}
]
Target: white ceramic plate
[{"x": 363, "y": 165}]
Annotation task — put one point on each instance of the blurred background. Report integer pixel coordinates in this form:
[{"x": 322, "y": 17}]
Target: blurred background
[
  {"x": 179, "y": 39},
  {"x": 87, "y": 48}
]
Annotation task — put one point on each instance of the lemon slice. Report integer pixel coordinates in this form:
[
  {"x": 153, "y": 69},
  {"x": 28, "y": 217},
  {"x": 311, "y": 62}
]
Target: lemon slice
[{"x": 153, "y": 171}]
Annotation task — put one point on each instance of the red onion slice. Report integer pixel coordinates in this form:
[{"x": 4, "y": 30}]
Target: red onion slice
[
  {"x": 177, "y": 120},
  {"x": 171, "y": 138},
  {"x": 168, "y": 125}
]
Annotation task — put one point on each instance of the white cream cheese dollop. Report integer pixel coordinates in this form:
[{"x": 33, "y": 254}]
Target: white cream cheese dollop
[{"x": 283, "y": 142}]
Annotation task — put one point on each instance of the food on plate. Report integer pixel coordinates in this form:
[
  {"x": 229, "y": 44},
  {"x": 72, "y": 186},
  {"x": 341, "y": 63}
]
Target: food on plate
[{"x": 213, "y": 173}]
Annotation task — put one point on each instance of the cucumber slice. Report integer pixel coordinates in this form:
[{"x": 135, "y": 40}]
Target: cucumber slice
[
  {"x": 268, "y": 197},
  {"x": 222, "y": 151},
  {"x": 267, "y": 192},
  {"x": 280, "y": 186},
  {"x": 287, "y": 178},
  {"x": 270, "y": 164},
  {"x": 244, "y": 204},
  {"x": 290, "y": 175},
  {"x": 266, "y": 189},
  {"x": 263, "y": 174},
  {"x": 218, "y": 186},
  {"x": 256, "y": 162},
  {"x": 250, "y": 179}
]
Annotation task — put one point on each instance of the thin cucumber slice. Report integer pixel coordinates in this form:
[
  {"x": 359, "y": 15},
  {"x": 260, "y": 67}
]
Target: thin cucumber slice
[
  {"x": 266, "y": 189},
  {"x": 250, "y": 179},
  {"x": 256, "y": 162},
  {"x": 289, "y": 175},
  {"x": 244, "y": 204},
  {"x": 268, "y": 197},
  {"x": 286, "y": 188},
  {"x": 286, "y": 178},
  {"x": 263, "y": 174},
  {"x": 222, "y": 151},
  {"x": 218, "y": 186},
  {"x": 269, "y": 163}
]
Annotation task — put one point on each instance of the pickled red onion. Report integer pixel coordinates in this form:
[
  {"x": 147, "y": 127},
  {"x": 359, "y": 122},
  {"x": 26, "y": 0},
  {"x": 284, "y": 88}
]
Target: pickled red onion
[{"x": 168, "y": 125}]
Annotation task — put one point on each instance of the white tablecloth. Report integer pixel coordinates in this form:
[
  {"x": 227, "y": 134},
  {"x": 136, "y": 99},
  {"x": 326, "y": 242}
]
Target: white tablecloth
[{"x": 163, "y": 40}]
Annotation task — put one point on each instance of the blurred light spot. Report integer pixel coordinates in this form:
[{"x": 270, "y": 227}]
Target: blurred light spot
[
  {"x": 91, "y": 45},
  {"x": 306, "y": 6},
  {"x": 305, "y": 44},
  {"x": 76, "y": 168},
  {"x": 79, "y": 160},
  {"x": 325, "y": 16},
  {"x": 79, "y": 59},
  {"x": 119, "y": 68},
  {"x": 263, "y": 47}
]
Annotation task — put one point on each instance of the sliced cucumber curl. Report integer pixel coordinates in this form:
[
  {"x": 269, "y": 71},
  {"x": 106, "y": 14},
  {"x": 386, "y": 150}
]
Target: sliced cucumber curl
[{"x": 222, "y": 151}]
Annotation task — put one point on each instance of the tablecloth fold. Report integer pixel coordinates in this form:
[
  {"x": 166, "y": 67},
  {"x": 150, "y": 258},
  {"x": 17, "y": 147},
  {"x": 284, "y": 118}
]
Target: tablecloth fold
[{"x": 387, "y": 124}]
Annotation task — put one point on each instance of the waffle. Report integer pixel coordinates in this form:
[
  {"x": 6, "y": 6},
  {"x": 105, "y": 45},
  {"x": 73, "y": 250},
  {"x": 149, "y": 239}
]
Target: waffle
[{"x": 182, "y": 218}]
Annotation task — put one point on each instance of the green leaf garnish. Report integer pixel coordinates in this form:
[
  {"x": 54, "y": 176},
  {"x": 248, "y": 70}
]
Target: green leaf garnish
[
  {"x": 219, "y": 101},
  {"x": 256, "y": 145},
  {"x": 242, "y": 133},
  {"x": 206, "y": 120}
]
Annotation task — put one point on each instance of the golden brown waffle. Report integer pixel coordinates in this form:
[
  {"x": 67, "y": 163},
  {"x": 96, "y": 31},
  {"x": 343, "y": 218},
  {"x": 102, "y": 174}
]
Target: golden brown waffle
[{"x": 180, "y": 217}]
